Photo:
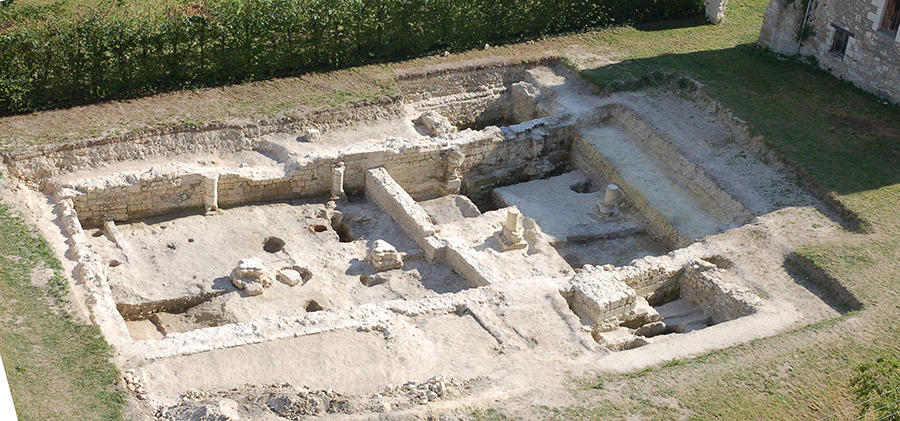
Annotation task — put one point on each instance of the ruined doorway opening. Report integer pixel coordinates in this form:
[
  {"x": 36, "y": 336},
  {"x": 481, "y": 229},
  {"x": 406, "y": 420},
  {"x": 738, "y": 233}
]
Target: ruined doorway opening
[{"x": 891, "y": 16}]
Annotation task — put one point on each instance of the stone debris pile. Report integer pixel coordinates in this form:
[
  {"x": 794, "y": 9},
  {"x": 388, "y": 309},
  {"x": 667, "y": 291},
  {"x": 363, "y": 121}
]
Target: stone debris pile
[
  {"x": 251, "y": 276},
  {"x": 385, "y": 256},
  {"x": 135, "y": 384},
  {"x": 422, "y": 393},
  {"x": 299, "y": 402},
  {"x": 435, "y": 123}
]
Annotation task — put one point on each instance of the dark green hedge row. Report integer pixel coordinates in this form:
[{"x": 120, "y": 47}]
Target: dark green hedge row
[{"x": 56, "y": 59}]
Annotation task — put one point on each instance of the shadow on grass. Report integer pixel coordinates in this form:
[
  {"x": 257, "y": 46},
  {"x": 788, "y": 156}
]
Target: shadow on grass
[
  {"x": 846, "y": 139},
  {"x": 821, "y": 283},
  {"x": 673, "y": 24}
]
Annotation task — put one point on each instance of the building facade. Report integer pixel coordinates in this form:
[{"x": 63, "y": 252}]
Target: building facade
[{"x": 856, "y": 40}]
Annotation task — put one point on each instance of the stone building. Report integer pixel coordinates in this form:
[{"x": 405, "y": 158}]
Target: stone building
[{"x": 855, "y": 40}]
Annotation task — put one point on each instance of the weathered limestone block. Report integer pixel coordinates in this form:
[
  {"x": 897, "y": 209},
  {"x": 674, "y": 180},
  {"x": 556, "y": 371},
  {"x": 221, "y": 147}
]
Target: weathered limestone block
[
  {"x": 525, "y": 97},
  {"x": 512, "y": 235},
  {"x": 312, "y": 135},
  {"x": 641, "y": 315},
  {"x": 618, "y": 339},
  {"x": 453, "y": 160},
  {"x": 650, "y": 330},
  {"x": 290, "y": 277},
  {"x": 435, "y": 123},
  {"x": 253, "y": 288},
  {"x": 384, "y": 256},
  {"x": 601, "y": 295}
]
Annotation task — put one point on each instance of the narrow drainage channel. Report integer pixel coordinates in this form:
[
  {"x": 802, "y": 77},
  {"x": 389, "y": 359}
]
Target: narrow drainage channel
[{"x": 142, "y": 311}]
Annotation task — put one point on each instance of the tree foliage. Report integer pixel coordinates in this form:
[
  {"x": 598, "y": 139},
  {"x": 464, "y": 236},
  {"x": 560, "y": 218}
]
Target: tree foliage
[
  {"x": 876, "y": 386},
  {"x": 52, "y": 56}
]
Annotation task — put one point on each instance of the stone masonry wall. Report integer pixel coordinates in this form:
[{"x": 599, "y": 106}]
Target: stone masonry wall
[
  {"x": 473, "y": 96},
  {"x": 38, "y": 166},
  {"x": 872, "y": 56},
  {"x": 466, "y": 97},
  {"x": 706, "y": 286},
  {"x": 780, "y": 25},
  {"x": 464, "y": 260},
  {"x": 91, "y": 273},
  {"x": 493, "y": 157},
  {"x": 598, "y": 292},
  {"x": 600, "y": 298},
  {"x": 415, "y": 222},
  {"x": 396, "y": 202},
  {"x": 607, "y": 292}
]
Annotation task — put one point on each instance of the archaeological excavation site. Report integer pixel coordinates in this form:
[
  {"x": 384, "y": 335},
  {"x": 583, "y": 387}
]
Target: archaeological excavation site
[{"x": 493, "y": 230}]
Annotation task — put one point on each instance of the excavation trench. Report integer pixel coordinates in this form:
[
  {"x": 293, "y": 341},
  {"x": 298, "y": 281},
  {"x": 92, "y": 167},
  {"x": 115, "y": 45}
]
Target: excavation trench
[
  {"x": 510, "y": 147},
  {"x": 509, "y": 191}
]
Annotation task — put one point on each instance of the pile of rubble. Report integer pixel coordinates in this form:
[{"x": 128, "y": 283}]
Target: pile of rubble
[
  {"x": 294, "y": 403},
  {"x": 252, "y": 276}
]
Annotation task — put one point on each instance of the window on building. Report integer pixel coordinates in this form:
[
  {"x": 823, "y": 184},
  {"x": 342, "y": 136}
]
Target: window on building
[
  {"x": 839, "y": 43},
  {"x": 891, "y": 15}
]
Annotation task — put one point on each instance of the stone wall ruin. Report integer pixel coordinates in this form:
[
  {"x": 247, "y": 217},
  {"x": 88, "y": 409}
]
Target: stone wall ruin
[
  {"x": 450, "y": 199},
  {"x": 536, "y": 138}
]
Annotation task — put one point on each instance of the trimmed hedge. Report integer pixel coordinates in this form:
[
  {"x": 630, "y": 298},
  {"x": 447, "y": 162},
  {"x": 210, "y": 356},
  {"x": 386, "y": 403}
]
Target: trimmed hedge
[{"x": 50, "y": 57}]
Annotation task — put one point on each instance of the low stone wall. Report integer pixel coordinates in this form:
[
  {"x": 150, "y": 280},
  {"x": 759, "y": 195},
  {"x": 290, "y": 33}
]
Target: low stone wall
[
  {"x": 493, "y": 157},
  {"x": 90, "y": 272},
  {"x": 599, "y": 298},
  {"x": 654, "y": 278},
  {"x": 464, "y": 260},
  {"x": 38, "y": 166},
  {"x": 607, "y": 292},
  {"x": 706, "y": 286},
  {"x": 528, "y": 151},
  {"x": 396, "y": 202},
  {"x": 125, "y": 196},
  {"x": 415, "y": 222}
]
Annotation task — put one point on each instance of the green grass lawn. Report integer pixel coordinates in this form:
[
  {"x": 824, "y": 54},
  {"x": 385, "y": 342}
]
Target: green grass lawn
[
  {"x": 847, "y": 140},
  {"x": 58, "y": 367}
]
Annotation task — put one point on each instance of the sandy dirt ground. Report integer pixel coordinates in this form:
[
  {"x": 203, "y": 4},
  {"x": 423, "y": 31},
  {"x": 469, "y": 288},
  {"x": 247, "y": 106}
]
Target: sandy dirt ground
[{"x": 512, "y": 345}]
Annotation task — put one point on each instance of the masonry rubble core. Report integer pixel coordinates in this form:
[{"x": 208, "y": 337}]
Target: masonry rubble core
[{"x": 491, "y": 216}]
